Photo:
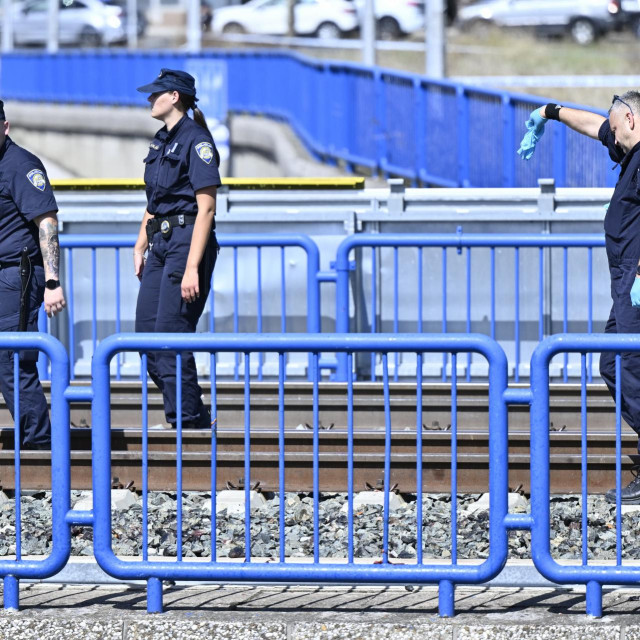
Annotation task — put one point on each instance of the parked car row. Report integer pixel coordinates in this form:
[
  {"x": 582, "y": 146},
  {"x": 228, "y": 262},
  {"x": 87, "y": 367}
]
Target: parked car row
[
  {"x": 584, "y": 21},
  {"x": 90, "y": 23},
  {"x": 320, "y": 18}
]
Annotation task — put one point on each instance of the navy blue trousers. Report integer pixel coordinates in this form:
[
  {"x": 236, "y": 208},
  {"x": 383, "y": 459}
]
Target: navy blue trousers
[
  {"x": 35, "y": 426},
  {"x": 161, "y": 309},
  {"x": 624, "y": 318}
]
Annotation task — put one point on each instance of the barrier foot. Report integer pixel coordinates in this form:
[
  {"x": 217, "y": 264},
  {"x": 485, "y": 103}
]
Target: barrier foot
[
  {"x": 11, "y": 593},
  {"x": 154, "y": 595},
  {"x": 594, "y": 599},
  {"x": 446, "y": 599}
]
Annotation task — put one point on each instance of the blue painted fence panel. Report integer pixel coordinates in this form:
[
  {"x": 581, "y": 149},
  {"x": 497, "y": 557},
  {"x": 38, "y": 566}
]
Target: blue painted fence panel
[
  {"x": 447, "y": 574},
  {"x": 435, "y": 132}
]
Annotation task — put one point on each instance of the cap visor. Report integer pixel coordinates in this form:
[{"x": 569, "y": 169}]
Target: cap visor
[{"x": 151, "y": 88}]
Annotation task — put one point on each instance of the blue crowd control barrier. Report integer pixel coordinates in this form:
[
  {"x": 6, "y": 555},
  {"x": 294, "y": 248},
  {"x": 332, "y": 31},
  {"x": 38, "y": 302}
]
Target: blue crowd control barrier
[
  {"x": 325, "y": 570},
  {"x": 16, "y": 568},
  {"x": 469, "y": 283},
  {"x": 248, "y": 291},
  {"x": 589, "y": 571},
  {"x": 388, "y": 121}
]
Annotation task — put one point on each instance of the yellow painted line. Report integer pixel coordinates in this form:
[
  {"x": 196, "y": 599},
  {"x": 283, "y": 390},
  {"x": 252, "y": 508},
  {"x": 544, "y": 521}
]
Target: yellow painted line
[{"x": 93, "y": 184}]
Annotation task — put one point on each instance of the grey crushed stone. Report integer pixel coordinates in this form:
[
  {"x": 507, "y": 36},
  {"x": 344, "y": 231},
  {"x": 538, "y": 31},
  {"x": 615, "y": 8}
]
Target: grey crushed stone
[{"x": 472, "y": 534}]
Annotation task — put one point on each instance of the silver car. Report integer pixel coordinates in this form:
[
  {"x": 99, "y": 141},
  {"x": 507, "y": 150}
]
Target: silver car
[
  {"x": 583, "y": 20},
  {"x": 89, "y": 23}
]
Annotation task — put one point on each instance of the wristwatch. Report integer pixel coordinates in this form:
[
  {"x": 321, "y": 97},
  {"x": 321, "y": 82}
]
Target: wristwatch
[{"x": 52, "y": 284}]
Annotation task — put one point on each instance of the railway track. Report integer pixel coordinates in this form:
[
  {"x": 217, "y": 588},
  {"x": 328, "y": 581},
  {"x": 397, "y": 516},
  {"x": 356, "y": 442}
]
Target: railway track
[{"x": 369, "y": 440}]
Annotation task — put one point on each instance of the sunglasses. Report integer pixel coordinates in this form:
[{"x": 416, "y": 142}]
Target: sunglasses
[{"x": 619, "y": 99}]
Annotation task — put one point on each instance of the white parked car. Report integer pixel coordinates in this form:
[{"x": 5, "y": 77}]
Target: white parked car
[
  {"x": 395, "y": 18},
  {"x": 82, "y": 22},
  {"x": 321, "y": 18}
]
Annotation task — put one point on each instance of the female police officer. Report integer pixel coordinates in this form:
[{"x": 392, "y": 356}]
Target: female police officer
[{"x": 181, "y": 178}]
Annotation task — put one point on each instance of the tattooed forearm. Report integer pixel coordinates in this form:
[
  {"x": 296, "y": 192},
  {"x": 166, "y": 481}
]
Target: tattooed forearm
[{"x": 49, "y": 247}]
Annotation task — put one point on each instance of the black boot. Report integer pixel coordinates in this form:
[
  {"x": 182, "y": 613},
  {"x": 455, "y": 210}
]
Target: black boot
[{"x": 629, "y": 494}]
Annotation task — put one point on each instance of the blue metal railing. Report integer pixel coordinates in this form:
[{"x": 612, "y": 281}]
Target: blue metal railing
[
  {"x": 260, "y": 287},
  {"x": 591, "y": 572},
  {"x": 588, "y": 572},
  {"x": 435, "y": 132},
  {"x": 452, "y": 290},
  {"x": 447, "y": 575},
  {"x": 14, "y": 569}
]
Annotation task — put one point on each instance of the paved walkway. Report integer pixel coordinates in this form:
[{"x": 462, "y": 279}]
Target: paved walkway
[{"x": 296, "y": 613}]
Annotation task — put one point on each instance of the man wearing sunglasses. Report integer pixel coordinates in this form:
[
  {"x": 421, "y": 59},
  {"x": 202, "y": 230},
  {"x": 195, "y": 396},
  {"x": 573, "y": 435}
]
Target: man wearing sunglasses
[{"x": 620, "y": 133}]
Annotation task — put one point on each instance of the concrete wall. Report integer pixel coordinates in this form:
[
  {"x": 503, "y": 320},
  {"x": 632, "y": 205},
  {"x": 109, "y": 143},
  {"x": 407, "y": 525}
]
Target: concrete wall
[{"x": 111, "y": 142}]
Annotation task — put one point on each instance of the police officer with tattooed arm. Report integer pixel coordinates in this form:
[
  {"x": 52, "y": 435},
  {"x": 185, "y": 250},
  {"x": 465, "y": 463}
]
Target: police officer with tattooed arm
[
  {"x": 620, "y": 134},
  {"x": 29, "y": 274}
]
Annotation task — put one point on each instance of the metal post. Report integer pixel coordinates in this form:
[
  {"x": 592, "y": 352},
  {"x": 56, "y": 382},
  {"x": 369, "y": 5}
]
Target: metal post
[
  {"x": 154, "y": 595},
  {"x": 194, "y": 32},
  {"x": 369, "y": 34},
  {"x": 7, "y": 26},
  {"x": 132, "y": 24},
  {"x": 435, "y": 42},
  {"x": 11, "y": 593},
  {"x": 53, "y": 22}
]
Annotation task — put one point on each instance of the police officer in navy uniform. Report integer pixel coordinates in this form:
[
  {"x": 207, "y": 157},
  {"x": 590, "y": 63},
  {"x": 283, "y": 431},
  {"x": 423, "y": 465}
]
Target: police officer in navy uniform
[
  {"x": 29, "y": 274},
  {"x": 181, "y": 177},
  {"x": 620, "y": 133}
]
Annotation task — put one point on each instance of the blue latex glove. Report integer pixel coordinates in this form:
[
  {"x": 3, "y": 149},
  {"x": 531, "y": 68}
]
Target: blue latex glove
[
  {"x": 535, "y": 129},
  {"x": 635, "y": 293}
]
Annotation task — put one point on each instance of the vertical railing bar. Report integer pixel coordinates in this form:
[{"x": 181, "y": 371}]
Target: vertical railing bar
[
  {"x": 71, "y": 313},
  {"x": 618, "y": 463},
  {"x": 214, "y": 452},
  {"x": 454, "y": 458},
  {"x": 396, "y": 300},
  {"x": 178, "y": 456},
  {"x": 590, "y": 309},
  {"x": 517, "y": 318},
  {"x": 350, "y": 457},
  {"x": 541, "y": 295},
  {"x": 374, "y": 308},
  {"x": 94, "y": 301},
  {"x": 420, "y": 291},
  {"x": 145, "y": 460},
  {"x": 247, "y": 457},
  {"x": 468, "y": 267},
  {"x": 236, "y": 322},
  {"x": 493, "y": 293},
  {"x": 283, "y": 293},
  {"x": 118, "y": 326},
  {"x": 565, "y": 306},
  {"x": 281, "y": 452},
  {"x": 444, "y": 310},
  {"x": 259, "y": 305},
  {"x": 584, "y": 459},
  {"x": 16, "y": 454},
  {"x": 419, "y": 458},
  {"x": 316, "y": 461},
  {"x": 387, "y": 458}
]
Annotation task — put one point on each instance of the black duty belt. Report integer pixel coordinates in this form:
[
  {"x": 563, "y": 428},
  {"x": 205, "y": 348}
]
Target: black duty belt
[
  {"x": 165, "y": 224},
  {"x": 35, "y": 262}
]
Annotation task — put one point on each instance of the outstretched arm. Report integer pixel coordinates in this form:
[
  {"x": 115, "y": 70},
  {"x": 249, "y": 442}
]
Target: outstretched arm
[{"x": 580, "y": 120}]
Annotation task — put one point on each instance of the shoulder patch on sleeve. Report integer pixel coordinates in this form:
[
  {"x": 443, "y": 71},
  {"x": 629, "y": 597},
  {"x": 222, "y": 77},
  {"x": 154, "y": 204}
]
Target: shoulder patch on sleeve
[
  {"x": 205, "y": 151},
  {"x": 37, "y": 179}
]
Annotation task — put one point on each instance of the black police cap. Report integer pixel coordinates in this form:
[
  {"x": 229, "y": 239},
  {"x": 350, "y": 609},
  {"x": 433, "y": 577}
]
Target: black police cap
[{"x": 171, "y": 80}]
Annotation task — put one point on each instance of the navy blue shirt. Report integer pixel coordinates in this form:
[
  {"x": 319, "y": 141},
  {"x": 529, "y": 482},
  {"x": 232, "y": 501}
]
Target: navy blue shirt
[
  {"x": 622, "y": 222},
  {"x": 25, "y": 194},
  {"x": 179, "y": 162}
]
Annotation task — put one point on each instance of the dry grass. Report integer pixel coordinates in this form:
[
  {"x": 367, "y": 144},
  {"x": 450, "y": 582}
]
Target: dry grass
[{"x": 513, "y": 52}]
